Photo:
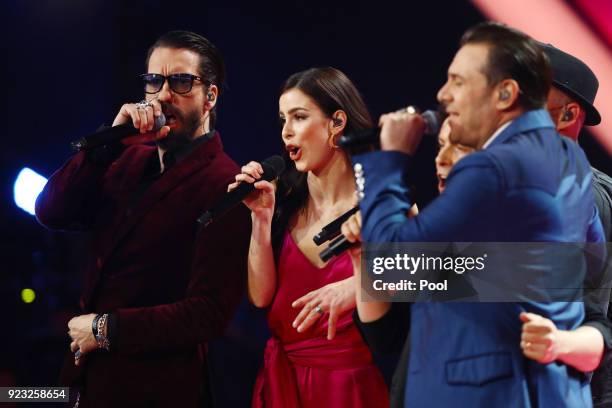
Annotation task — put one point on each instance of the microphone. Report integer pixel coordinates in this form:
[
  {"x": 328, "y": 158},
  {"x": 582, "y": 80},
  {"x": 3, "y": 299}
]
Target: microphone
[
  {"x": 332, "y": 229},
  {"x": 272, "y": 167},
  {"x": 112, "y": 134},
  {"x": 335, "y": 248},
  {"x": 372, "y": 136}
]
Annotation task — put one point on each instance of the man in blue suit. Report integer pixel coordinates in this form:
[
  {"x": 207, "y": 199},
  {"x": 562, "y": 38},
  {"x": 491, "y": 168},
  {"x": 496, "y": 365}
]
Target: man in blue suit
[{"x": 526, "y": 184}]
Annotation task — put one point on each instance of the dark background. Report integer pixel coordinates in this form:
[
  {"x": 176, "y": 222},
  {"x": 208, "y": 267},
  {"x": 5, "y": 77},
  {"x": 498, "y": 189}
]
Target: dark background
[{"x": 70, "y": 64}]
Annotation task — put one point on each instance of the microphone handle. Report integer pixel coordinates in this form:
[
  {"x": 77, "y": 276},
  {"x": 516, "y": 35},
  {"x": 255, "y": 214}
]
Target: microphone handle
[
  {"x": 272, "y": 168},
  {"x": 372, "y": 136},
  {"x": 103, "y": 137},
  {"x": 335, "y": 248},
  {"x": 332, "y": 229},
  {"x": 243, "y": 190},
  {"x": 112, "y": 134}
]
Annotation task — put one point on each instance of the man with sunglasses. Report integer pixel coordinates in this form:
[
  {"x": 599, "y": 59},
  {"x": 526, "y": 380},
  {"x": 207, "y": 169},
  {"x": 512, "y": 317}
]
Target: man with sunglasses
[{"x": 157, "y": 287}]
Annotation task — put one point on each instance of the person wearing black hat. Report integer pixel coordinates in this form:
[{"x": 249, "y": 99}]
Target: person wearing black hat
[
  {"x": 570, "y": 105},
  {"x": 570, "y": 100}
]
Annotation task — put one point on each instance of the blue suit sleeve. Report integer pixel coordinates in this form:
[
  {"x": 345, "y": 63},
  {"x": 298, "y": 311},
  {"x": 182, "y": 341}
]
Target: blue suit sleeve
[{"x": 472, "y": 192}]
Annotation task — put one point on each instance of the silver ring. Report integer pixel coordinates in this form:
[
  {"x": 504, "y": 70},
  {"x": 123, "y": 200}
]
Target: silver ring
[
  {"x": 318, "y": 309},
  {"x": 411, "y": 110},
  {"x": 77, "y": 354},
  {"x": 143, "y": 104}
]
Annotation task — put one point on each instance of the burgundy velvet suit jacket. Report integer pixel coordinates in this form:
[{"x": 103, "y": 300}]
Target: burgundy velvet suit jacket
[{"x": 172, "y": 285}]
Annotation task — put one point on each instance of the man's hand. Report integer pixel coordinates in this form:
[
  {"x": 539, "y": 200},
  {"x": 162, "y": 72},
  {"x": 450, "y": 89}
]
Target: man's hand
[
  {"x": 401, "y": 131},
  {"x": 142, "y": 117},
  {"x": 80, "y": 331}
]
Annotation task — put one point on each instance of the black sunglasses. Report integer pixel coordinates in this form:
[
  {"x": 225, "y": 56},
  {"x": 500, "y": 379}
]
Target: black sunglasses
[{"x": 179, "y": 83}]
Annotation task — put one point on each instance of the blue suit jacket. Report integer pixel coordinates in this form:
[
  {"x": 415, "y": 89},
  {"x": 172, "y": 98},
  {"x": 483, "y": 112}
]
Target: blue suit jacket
[{"x": 529, "y": 185}]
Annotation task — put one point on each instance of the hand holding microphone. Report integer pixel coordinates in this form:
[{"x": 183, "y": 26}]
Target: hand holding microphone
[
  {"x": 253, "y": 176},
  {"x": 263, "y": 201},
  {"x": 135, "y": 123},
  {"x": 401, "y": 130},
  {"x": 142, "y": 115}
]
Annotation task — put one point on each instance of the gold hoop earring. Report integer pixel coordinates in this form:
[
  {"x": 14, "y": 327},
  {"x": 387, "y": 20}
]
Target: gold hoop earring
[{"x": 331, "y": 140}]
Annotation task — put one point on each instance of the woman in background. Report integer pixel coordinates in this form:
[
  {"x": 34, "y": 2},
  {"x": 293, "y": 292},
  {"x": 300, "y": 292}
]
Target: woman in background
[
  {"x": 316, "y": 356},
  {"x": 448, "y": 155}
]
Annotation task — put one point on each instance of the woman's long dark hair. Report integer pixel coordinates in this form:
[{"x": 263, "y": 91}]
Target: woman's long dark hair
[{"x": 331, "y": 90}]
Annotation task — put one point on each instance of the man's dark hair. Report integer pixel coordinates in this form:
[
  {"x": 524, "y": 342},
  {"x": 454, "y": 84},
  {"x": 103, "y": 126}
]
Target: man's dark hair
[
  {"x": 211, "y": 67},
  {"x": 513, "y": 55}
]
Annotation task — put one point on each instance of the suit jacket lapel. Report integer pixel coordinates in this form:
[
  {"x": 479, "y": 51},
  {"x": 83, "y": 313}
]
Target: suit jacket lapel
[{"x": 164, "y": 185}]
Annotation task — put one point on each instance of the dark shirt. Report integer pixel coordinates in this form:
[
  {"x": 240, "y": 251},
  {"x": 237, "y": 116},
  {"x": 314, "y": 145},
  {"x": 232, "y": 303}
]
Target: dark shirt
[
  {"x": 602, "y": 185},
  {"x": 153, "y": 172},
  {"x": 601, "y": 384}
]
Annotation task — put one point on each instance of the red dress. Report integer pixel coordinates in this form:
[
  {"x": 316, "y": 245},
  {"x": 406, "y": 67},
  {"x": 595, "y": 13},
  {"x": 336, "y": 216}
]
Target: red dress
[{"x": 305, "y": 369}]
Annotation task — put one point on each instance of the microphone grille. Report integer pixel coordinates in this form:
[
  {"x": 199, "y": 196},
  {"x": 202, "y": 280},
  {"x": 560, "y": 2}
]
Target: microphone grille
[
  {"x": 432, "y": 122},
  {"x": 159, "y": 122},
  {"x": 273, "y": 166}
]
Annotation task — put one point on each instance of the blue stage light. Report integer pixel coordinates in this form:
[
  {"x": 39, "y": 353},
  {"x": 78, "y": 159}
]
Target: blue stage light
[{"x": 28, "y": 186}]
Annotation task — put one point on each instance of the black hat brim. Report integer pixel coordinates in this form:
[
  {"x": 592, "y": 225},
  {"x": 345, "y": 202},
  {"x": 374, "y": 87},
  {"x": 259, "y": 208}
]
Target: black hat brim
[{"x": 592, "y": 117}]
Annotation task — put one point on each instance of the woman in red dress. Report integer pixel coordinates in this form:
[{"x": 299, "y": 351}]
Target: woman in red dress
[{"x": 316, "y": 356}]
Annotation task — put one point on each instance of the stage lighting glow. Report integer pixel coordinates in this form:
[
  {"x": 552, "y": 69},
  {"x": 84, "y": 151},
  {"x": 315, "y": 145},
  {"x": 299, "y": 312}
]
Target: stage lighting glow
[
  {"x": 28, "y": 186},
  {"x": 28, "y": 295},
  {"x": 556, "y": 22}
]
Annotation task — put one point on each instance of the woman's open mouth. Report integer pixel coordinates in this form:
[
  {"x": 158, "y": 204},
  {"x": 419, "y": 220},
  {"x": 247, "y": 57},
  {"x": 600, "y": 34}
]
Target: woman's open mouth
[
  {"x": 441, "y": 182},
  {"x": 295, "y": 152}
]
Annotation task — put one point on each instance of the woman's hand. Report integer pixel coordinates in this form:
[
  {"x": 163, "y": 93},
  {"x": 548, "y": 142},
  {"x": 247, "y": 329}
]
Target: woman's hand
[
  {"x": 540, "y": 339},
  {"x": 260, "y": 201},
  {"x": 581, "y": 348},
  {"x": 334, "y": 299},
  {"x": 371, "y": 310}
]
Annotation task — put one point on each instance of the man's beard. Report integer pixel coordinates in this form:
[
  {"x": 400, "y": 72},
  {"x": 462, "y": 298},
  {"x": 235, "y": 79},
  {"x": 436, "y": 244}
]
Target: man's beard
[{"x": 189, "y": 124}]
